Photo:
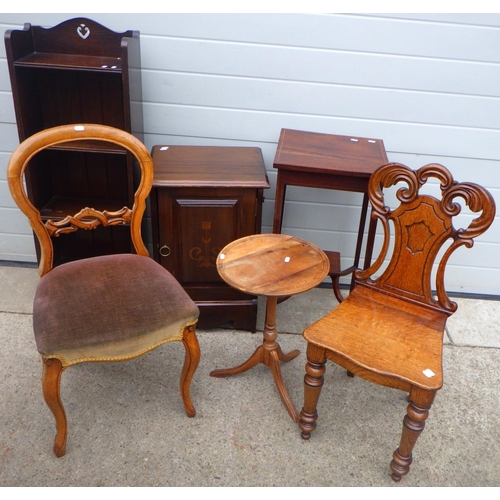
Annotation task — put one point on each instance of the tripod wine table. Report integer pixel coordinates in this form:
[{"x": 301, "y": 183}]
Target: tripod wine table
[{"x": 272, "y": 265}]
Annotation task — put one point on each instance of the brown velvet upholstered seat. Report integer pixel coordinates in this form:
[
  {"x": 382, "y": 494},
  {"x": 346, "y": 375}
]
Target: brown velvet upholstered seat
[
  {"x": 121, "y": 305},
  {"x": 105, "y": 308},
  {"x": 390, "y": 328}
]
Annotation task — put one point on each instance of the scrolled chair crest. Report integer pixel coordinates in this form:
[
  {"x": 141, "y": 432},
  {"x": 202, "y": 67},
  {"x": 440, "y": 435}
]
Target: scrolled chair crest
[
  {"x": 478, "y": 200},
  {"x": 390, "y": 175},
  {"x": 476, "y": 197}
]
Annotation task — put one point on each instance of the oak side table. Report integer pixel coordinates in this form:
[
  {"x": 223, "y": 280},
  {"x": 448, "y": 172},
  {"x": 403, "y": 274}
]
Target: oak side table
[
  {"x": 271, "y": 265},
  {"x": 204, "y": 197},
  {"x": 337, "y": 162}
]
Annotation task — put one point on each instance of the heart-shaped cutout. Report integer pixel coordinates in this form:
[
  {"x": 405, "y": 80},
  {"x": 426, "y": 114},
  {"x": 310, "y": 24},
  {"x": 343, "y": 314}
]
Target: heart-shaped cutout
[{"x": 83, "y": 31}]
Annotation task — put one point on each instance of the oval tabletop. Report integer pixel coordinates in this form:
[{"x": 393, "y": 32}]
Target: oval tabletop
[{"x": 272, "y": 265}]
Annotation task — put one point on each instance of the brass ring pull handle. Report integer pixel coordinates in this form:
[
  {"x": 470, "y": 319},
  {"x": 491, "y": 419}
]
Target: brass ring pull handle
[{"x": 165, "y": 251}]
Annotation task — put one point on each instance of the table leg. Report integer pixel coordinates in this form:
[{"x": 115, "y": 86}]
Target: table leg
[
  {"x": 372, "y": 228},
  {"x": 370, "y": 241},
  {"x": 269, "y": 354},
  {"x": 256, "y": 358},
  {"x": 279, "y": 203},
  {"x": 274, "y": 365},
  {"x": 361, "y": 230}
]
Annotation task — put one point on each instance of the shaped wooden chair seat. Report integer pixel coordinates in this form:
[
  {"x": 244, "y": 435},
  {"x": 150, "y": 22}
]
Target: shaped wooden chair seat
[
  {"x": 375, "y": 338},
  {"x": 105, "y": 308},
  {"x": 390, "y": 328}
]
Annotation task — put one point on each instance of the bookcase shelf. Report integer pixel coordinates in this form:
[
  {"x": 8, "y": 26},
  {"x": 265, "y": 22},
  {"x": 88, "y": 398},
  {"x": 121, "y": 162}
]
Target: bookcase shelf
[{"x": 77, "y": 72}]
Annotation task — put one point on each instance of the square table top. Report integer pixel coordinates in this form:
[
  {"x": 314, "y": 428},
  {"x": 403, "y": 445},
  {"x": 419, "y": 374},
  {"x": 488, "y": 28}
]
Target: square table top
[
  {"x": 326, "y": 153},
  {"x": 209, "y": 166}
]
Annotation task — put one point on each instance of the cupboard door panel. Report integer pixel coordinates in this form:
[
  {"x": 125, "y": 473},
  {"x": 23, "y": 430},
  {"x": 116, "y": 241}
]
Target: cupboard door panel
[{"x": 204, "y": 228}]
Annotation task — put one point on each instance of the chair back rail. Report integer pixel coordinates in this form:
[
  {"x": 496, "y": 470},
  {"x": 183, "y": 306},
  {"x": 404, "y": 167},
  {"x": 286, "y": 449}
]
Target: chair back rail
[{"x": 87, "y": 217}]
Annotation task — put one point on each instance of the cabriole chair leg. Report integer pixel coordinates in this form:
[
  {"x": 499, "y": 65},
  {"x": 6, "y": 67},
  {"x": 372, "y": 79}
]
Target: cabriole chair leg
[
  {"x": 191, "y": 360},
  {"x": 51, "y": 385}
]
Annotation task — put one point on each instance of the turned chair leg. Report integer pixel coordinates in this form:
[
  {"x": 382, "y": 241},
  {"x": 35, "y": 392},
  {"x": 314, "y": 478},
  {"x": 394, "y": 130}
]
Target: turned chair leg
[
  {"x": 313, "y": 382},
  {"x": 191, "y": 360},
  {"x": 413, "y": 425},
  {"x": 51, "y": 386}
]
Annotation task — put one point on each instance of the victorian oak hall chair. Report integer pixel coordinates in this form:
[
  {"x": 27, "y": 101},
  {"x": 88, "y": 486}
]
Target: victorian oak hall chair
[
  {"x": 105, "y": 308},
  {"x": 390, "y": 329}
]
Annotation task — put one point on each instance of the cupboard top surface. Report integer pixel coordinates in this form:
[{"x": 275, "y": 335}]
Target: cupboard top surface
[
  {"x": 326, "y": 153},
  {"x": 208, "y": 166}
]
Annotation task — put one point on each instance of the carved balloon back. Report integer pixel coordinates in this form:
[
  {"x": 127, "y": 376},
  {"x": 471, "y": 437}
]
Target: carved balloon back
[
  {"x": 87, "y": 218},
  {"x": 422, "y": 225}
]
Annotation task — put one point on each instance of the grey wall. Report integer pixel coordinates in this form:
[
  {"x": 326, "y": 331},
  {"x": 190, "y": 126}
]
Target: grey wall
[{"x": 428, "y": 85}]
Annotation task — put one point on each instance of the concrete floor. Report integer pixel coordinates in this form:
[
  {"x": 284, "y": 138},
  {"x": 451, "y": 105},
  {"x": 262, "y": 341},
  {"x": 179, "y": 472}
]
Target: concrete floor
[{"x": 127, "y": 426}]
